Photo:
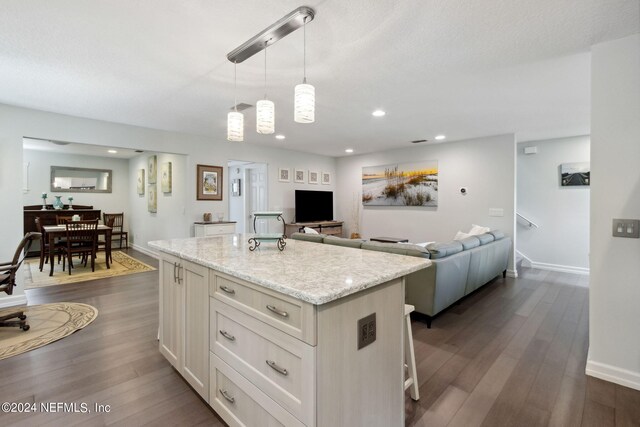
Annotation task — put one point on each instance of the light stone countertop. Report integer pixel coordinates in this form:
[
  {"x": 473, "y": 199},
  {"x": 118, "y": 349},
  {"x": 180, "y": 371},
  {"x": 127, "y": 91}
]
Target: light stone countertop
[{"x": 313, "y": 272}]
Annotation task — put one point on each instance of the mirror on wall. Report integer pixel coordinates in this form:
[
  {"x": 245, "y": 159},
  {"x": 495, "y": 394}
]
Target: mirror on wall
[{"x": 80, "y": 180}]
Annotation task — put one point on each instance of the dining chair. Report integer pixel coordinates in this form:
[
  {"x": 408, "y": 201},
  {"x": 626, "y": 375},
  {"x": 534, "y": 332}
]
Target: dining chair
[
  {"x": 103, "y": 243},
  {"x": 44, "y": 245},
  {"x": 81, "y": 240},
  {"x": 8, "y": 272},
  {"x": 118, "y": 227}
]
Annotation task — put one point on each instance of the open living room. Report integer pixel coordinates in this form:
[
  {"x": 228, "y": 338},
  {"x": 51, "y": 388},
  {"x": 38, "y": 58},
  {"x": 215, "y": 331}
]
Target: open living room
[{"x": 338, "y": 213}]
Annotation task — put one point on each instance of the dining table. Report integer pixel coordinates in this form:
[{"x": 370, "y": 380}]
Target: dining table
[{"x": 54, "y": 232}]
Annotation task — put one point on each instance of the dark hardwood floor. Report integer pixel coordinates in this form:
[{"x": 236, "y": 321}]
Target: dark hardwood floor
[{"x": 512, "y": 354}]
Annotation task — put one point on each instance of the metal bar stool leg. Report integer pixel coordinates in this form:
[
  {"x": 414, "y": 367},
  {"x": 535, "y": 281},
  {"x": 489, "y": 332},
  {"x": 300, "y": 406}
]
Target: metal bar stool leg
[{"x": 409, "y": 355}]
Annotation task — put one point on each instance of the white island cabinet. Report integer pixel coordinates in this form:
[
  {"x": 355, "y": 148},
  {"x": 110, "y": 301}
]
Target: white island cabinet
[{"x": 272, "y": 338}]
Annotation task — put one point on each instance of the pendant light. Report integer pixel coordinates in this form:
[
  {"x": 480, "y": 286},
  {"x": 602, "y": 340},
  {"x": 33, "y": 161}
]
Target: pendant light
[
  {"x": 235, "y": 119},
  {"x": 265, "y": 109},
  {"x": 305, "y": 94}
]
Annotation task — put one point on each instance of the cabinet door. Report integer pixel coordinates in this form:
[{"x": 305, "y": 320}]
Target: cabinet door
[
  {"x": 171, "y": 306},
  {"x": 195, "y": 369}
]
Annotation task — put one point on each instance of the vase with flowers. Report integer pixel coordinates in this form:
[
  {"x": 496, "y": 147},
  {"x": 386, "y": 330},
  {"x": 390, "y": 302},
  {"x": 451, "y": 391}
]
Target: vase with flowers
[
  {"x": 70, "y": 203},
  {"x": 57, "y": 203},
  {"x": 44, "y": 201}
]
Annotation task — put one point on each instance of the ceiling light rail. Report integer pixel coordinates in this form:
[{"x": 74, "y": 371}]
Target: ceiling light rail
[{"x": 286, "y": 25}]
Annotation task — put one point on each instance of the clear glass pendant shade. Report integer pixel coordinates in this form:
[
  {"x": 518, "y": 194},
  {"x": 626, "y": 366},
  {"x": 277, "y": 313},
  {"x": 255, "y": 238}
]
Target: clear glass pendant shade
[
  {"x": 265, "y": 117},
  {"x": 305, "y": 103},
  {"x": 235, "y": 126}
]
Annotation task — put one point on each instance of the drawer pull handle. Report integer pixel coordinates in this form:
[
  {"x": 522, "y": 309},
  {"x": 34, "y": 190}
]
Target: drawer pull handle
[
  {"x": 226, "y": 396},
  {"x": 228, "y": 290},
  {"x": 278, "y": 312},
  {"x": 277, "y": 368},
  {"x": 227, "y": 335}
]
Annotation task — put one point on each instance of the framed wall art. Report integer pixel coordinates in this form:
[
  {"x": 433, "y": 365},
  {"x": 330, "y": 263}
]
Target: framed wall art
[
  {"x": 209, "y": 182},
  {"x": 575, "y": 174},
  {"x": 401, "y": 184},
  {"x": 165, "y": 178},
  {"x": 314, "y": 177},
  {"x": 152, "y": 169},
  {"x": 298, "y": 176},
  {"x": 140, "y": 182},
  {"x": 284, "y": 175},
  {"x": 152, "y": 198},
  {"x": 325, "y": 178}
]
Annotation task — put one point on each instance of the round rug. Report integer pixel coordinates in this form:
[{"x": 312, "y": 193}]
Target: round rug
[{"x": 48, "y": 323}]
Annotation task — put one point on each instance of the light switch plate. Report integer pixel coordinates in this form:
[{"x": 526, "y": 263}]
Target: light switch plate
[
  {"x": 496, "y": 212},
  {"x": 626, "y": 228},
  {"x": 366, "y": 330}
]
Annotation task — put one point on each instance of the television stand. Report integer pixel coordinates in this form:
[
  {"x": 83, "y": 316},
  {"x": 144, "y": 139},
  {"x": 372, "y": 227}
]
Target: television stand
[{"x": 333, "y": 228}]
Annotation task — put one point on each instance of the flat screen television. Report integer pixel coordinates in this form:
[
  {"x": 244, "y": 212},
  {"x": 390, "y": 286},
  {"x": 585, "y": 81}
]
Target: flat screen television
[{"x": 314, "y": 206}]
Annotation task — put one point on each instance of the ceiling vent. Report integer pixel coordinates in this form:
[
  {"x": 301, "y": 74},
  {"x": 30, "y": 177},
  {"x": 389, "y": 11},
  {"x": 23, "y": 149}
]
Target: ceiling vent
[
  {"x": 241, "y": 107},
  {"x": 418, "y": 141}
]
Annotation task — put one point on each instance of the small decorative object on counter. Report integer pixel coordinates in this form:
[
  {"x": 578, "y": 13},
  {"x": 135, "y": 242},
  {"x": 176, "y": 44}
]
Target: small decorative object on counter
[
  {"x": 206, "y": 217},
  {"x": 57, "y": 203},
  {"x": 70, "y": 203},
  {"x": 220, "y": 216},
  {"x": 277, "y": 237},
  {"x": 44, "y": 201}
]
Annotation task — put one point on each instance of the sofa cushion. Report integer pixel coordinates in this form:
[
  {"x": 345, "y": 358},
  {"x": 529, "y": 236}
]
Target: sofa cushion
[
  {"x": 397, "y": 248},
  {"x": 485, "y": 238},
  {"x": 316, "y": 238},
  {"x": 470, "y": 242},
  {"x": 339, "y": 241},
  {"x": 444, "y": 249},
  {"x": 497, "y": 234}
]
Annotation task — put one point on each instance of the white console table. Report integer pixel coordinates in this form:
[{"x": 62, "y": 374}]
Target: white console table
[{"x": 202, "y": 229}]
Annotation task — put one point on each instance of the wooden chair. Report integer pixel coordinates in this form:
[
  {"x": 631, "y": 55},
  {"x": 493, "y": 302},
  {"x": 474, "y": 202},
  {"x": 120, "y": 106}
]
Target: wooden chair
[
  {"x": 103, "y": 243},
  {"x": 8, "y": 281},
  {"x": 118, "y": 229},
  {"x": 44, "y": 245},
  {"x": 82, "y": 239}
]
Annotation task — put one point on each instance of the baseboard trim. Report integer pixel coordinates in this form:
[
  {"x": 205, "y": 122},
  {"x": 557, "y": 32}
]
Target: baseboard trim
[
  {"x": 145, "y": 251},
  {"x": 560, "y": 268},
  {"x": 512, "y": 273},
  {"x": 13, "y": 300},
  {"x": 613, "y": 374}
]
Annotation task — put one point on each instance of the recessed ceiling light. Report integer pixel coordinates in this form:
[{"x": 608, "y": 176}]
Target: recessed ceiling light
[
  {"x": 378, "y": 113},
  {"x": 440, "y": 137},
  {"x": 280, "y": 136},
  {"x": 349, "y": 150},
  {"x": 112, "y": 151}
]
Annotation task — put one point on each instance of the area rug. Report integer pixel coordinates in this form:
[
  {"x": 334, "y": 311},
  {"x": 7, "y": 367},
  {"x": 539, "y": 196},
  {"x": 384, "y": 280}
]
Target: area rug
[
  {"x": 121, "y": 265},
  {"x": 47, "y": 323}
]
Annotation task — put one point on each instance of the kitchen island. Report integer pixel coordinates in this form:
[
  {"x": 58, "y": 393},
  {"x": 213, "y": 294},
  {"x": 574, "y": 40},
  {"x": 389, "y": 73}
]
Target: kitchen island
[{"x": 308, "y": 336}]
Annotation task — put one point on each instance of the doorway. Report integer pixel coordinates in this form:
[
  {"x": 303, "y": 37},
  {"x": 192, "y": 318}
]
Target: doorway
[{"x": 249, "y": 193}]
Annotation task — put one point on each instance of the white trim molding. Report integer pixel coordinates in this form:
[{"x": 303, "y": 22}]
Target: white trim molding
[
  {"x": 145, "y": 251},
  {"x": 613, "y": 374},
  {"x": 13, "y": 300},
  {"x": 561, "y": 268},
  {"x": 512, "y": 273}
]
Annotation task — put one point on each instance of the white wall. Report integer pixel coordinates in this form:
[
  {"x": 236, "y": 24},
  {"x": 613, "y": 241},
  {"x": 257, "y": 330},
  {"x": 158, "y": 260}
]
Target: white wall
[
  {"x": 562, "y": 240},
  {"x": 614, "y": 294},
  {"x": 486, "y": 166},
  {"x": 15, "y": 123},
  {"x": 40, "y": 163},
  {"x": 170, "y": 220}
]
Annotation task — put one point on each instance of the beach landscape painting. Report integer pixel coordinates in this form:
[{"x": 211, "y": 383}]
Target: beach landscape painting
[
  {"x": 401, "y": 184},
  {"x": 575, "y": 174}
]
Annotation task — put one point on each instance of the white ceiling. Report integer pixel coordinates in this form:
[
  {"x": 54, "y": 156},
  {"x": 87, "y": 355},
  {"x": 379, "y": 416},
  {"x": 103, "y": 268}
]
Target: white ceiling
[{"x": 462, "y": 68}]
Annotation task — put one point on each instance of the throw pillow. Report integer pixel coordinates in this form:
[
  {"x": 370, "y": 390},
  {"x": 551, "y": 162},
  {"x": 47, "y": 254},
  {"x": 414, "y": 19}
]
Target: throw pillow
[
  {"x": 478, "y": 229},
  {"x": 460, "y": 235},
  {"x": 309, "y": 230},
  {"x": 424, "y": 244}
]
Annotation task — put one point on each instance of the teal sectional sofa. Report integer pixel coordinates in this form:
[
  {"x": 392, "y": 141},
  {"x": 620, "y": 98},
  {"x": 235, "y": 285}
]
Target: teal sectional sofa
[{"x": 458, "y": 267}]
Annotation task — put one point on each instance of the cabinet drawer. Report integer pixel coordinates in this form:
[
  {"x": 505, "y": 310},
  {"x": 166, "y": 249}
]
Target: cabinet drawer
[
  {"x": 295, "y": 317},
  {"x": 215, "y": 230},
  {"x": 240, "y": 403},
  {"x": 281, "y": 366}
]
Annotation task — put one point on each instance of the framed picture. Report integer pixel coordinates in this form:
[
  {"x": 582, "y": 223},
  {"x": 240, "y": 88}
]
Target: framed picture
[
  {"x": 165, "y": 178},
  {"x": 152, "y": 198},
  {"x": 575, "y": 174},
  {"x": 283, "y": 175},
  {"x": 236, "y": 185},
  {"x": 141, "y": 182},
  {"x": 401, "y": 184},
  {"x": 209, "y": 182},
  {"x": 298, "y": 176},
  {"x": 153, "y": 169},
  {"x": 314, "y": 177},
  {"x": 325, "y": 178}
]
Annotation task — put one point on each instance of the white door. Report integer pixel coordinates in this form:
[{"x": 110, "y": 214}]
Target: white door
[{"x": 256, "y": 178}]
